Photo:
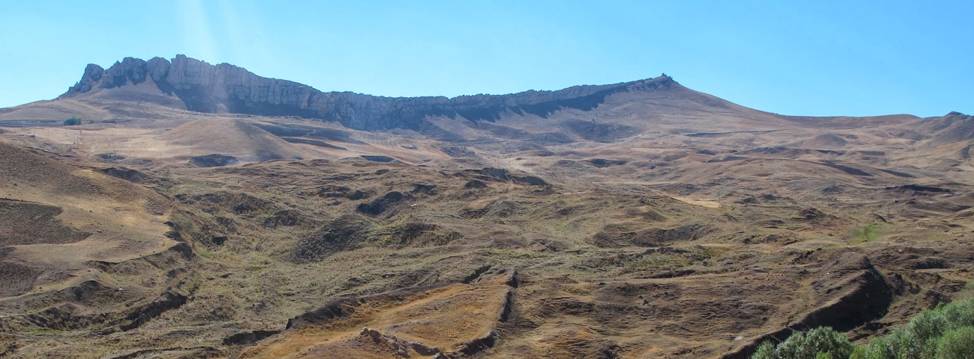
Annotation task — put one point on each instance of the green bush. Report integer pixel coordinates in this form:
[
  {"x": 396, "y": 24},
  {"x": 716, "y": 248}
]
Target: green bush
[
  {"x": 945, "y": 332},
  {"x": 809, "y": 344},
  {"x": 959, "y": 314},
  {"x": 907, "y": 345},
  {"x": 817, "y": 343},
  {"x": 956, "y": 344},
  {"x": 881, "y": 348},
  {"x": 927, "y": 325},
  {"x": 74, "y": 121},
  {"x": 764, "y": 351}
]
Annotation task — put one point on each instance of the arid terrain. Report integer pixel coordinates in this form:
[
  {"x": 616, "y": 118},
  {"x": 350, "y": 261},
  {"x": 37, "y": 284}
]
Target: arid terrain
[{"x": 171, "y": 208}]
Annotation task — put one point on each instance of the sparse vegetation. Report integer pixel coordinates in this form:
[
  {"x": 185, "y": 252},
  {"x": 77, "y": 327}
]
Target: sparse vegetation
[
  {"x": 945, "y": 332},
  {"x": 656, "y": 261},
  {"x": 867, "y": 233}
]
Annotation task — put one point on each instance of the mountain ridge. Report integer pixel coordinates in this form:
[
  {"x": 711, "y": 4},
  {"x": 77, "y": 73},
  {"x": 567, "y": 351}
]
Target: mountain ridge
[{"x": 226, "y": 88}]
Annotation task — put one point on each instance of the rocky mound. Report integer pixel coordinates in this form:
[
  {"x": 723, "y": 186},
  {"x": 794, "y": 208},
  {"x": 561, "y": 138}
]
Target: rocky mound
[
  {"x": 416, "y": 234},
  {"x": 825, "y": 140},
  {"x": 127, "y": 174},
  {"x": 213, "y": 160},
  {"x": 382, "y": 204},
  {"x": 24, "y": 166},
  {"x": 493, "y": 174},
  {"x": 236, "y": 138},
  {"x": 32, "y": 223},
  {"x": 614, "y": 235},
  {"x": 342, "y": 233},
  {"x": 378, "y": 158},
  {"x": 603, "y": 163},
  {"x": 17, "y": 278}
]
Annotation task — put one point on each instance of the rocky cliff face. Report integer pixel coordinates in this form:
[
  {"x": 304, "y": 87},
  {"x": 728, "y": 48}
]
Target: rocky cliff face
[{"x": 226, "y": 88}]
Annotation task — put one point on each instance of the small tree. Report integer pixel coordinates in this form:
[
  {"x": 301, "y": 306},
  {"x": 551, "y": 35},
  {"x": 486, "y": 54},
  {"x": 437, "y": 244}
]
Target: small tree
[{"x": 74, "y": 121}]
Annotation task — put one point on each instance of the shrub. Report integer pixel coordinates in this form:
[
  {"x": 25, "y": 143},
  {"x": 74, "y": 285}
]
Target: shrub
[
  {"x": 945, "y": 332},
  {"x": 74, "y": 121},
  {"x": 880, "y": 348},
  {"x": 817, "y": 343},
  {"x": 906, "y": 344},
  {"x": 959, "y": 314},
  {"x": 764, "y": 351},
  {"x": 956, "y": 344},
  {"x": 928, "y": 325}
]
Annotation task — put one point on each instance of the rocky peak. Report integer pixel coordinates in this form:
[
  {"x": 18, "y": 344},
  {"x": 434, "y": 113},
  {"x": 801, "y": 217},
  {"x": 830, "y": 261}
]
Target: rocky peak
[
  {"x": 662, "y": 81},
  {"x": 89, "y": 79},
  {"x": 157, "y": 68},
  {"x": 958, "y": 115},
  {"x": 130, "y": 71}
]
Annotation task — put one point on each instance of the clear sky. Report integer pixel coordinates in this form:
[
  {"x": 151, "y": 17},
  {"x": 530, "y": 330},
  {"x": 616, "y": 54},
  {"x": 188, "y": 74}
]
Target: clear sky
[{"x": 791, "y": 57}]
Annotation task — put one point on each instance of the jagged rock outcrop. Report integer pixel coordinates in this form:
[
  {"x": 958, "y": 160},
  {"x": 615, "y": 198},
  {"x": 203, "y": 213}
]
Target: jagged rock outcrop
[{"x": 203, "y": 87}]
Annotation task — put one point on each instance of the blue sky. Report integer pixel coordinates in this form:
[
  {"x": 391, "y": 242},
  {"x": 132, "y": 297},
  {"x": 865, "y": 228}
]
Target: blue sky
[{"x": 792, "y": 57}]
